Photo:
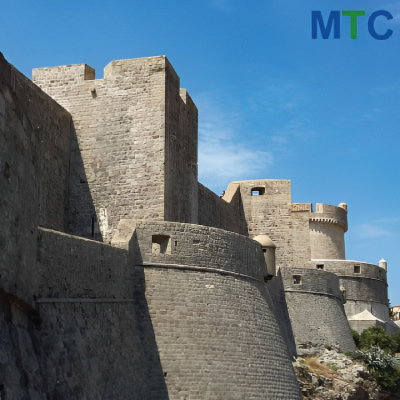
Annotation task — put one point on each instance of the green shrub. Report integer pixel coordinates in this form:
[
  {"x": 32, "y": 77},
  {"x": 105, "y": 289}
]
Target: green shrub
[
  {"x": 396, "y": 339},
  {"x": 377, "y": 336},
  {"x": 356, "y": 338},
  {"x": 381, "y": 365}
]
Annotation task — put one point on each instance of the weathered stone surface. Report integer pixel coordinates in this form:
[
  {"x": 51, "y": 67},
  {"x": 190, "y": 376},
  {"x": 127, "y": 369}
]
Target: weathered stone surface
[{"x": 123, "y": 277}]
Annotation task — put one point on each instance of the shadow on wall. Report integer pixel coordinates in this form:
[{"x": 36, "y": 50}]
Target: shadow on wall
[
  {"x": 154, "y": 376},
  {"x": 21, "y": 363},
  {"x": 83, "y": 220},
  {"x": 280, "y": 309}
]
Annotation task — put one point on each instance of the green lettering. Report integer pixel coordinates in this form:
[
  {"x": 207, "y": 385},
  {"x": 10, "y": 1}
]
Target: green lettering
[{"x": 353, "y": 21}]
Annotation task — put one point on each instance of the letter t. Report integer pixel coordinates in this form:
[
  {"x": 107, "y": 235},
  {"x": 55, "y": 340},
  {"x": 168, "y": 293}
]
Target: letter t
[{"x": 353, "y": 21}]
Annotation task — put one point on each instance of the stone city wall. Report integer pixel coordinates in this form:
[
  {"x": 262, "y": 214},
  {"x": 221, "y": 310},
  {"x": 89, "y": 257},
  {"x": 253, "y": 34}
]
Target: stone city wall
[
  {"x": 199, "y": 246},
  {"x": 269, "y": 213},
  {"x": 301, "y": 234},
  {"x": 130, "y": 128},
  {"x": 365, "y": 285},
  {"x": 316, "y": 309},
  {"x": 224, "y": 213},
  {"x": 34, "y": 166},
  {"x": 217, "y": 336}
]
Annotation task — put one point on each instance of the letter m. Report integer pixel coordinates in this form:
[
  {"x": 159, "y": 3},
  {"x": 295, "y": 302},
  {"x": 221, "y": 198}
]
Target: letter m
[{"x": 333, "y": 20}]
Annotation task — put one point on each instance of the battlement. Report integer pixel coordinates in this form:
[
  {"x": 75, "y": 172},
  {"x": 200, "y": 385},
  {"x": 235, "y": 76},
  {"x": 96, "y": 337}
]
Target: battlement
[
  {"x": 135, "y": 150},
  {"x": 328, "y": 214},
  {"x": 66, "y": 74}
]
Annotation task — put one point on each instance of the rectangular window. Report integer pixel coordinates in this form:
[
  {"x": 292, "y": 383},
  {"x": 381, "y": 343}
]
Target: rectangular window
[
  {"x": 320, "y": 266},
  {"x": 258, "y": 191},
  {"x": 160, "y": 244},
  {"x": 357, "y": 269},
  {"x": 297, "y": 279}
]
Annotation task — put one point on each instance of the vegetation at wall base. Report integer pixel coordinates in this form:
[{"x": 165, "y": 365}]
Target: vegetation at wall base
[{"x": 381, "y": 364}]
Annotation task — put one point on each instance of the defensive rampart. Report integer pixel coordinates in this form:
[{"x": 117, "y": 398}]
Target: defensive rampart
[
  {"x": 34, "y": 166},
  {"x": 136, "y": 143},
  {"x": 315, "y": 305},
  {"x": 211, "y": 314},
  {"x": 365, "y": 286}
]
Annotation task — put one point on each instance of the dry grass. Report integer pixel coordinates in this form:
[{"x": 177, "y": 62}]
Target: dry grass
[{"x": 316, "y": 367}]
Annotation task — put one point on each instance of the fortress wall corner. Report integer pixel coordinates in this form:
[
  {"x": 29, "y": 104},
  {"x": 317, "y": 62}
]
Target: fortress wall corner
[
  {"x": 117, "y": 162},
  {"x": 181, "y": 124},
  {"x": 34, "y": 154}
]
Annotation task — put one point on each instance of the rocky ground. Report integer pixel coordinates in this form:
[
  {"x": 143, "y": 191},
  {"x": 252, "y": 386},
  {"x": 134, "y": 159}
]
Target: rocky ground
[{"x": 333, "y": 376}]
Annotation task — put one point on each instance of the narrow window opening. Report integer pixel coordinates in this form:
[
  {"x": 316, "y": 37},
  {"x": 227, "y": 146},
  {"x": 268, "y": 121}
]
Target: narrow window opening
[
  {"x": 165, "y": 374},
  {"x": 161, "y": 244},
  {"x": 357, "y": 269},
  {"x": 264, "y": 250},
  {"x": 296, "y": 279},
  {"x": 320, "y": 266},
  {"x": 176, "y": 243},
  {"x": 258, "y": 191},
  {"x": 92, "y": 227}
]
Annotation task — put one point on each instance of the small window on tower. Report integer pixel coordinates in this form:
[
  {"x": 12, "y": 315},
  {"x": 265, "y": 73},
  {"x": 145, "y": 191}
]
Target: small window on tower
[
  {"x": 320, "y": 266},
  {"x": 357, "y": 269},
  {"x": 160, "y": 244},
  {"x": 297, "y": 279},
  {"x": 258, "y": 191}
]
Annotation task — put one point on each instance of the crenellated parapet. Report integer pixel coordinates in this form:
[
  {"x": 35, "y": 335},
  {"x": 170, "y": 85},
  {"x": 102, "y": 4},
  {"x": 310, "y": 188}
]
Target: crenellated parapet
[
  {"x": 327, "y": 214},
  {"x": 328, "y": 225}
]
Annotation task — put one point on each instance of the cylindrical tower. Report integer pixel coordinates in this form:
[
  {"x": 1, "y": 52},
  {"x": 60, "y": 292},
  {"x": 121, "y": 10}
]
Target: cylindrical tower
[{"x": 327, "y": 227}]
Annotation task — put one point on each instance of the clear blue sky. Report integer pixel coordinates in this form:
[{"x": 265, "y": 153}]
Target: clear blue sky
[{"x": 273, "y": 103}]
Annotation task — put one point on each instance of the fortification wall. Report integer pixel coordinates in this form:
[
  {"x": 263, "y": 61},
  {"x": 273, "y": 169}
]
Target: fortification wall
[
  {"x": 269, "y": 213},
  {"x": 85, "y": 321},
  {"x": 180, "y": 154},
  {"x": 199, "y": 246},
  {"x": 365, "y": 285},
  {"x": 211, "y": 314},
  {"x": 224, "y": 213},
  {"x": 34, "y": 164},
  {"x": 327, "y": 227},
  {"x": 72, "y": 267},
  {"x": 300, "y": 213},
  {"x": 280, "y": 310},
  {"x": 131, "y": 127},
  {"x": 21, "y": 364},
  {"x": 316, "y": 309}
]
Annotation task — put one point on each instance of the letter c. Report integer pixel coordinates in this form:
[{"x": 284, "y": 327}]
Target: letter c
[{"x": 371, "y": 25}]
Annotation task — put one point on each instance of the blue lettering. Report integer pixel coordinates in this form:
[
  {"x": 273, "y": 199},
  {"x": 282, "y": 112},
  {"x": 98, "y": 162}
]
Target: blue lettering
[
  {"x": 317, "y": 20},
  {"x": 371, "y": 25}
]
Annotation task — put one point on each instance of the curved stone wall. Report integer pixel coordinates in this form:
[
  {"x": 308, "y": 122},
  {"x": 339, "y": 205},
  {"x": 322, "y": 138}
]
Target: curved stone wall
[
  {"x": 211, "y": 314},
  {"x": 201, "y": 247},
  {"x": 327, "y": 227},
  {"x": 365, "y": 285},
  {"x": 316, "y": 310},
  {"x": 217, "y": 337}
]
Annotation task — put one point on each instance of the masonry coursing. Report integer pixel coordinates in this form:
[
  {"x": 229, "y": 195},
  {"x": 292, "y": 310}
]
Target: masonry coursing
[{"x": 124, "y": 277}]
